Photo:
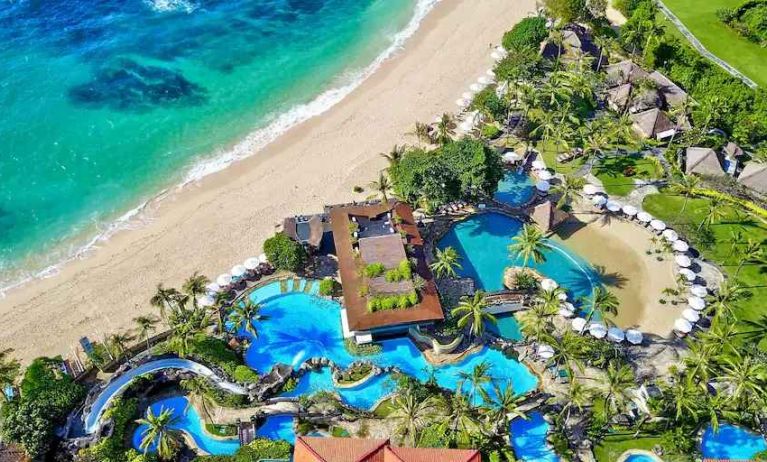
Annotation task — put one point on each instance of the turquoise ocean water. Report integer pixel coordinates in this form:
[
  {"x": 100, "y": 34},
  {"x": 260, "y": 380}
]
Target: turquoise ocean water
[{"x": 106, "y": 103}]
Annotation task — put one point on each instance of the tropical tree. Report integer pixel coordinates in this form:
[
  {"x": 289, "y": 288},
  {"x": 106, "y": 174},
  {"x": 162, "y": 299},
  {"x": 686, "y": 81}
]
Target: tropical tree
[
  {"x": 383, "y": 188},
  {"x": 195, "y": 285},
  {"x": 446, "y": 262},
  {"x": 472, "y": 311},
  {"x": 752, "y": 251},
  {"x": 422, "y": 133},
  {"x": 165, "y": 299},
  {"x": 118, "y": 341},
  {"x": 160, "y": 433},
  {"x": 683, "y": 399},
  {"x": 477, "y": 378},
  {"x": 726, "y": 297},
  {"x": 699, "y": 362},
  {"x": 458, "y": 421},
  {"x": 146, "y": 325},
  {"x": 9, "y": 370},
  {"x": 411, "y": 415},
  {"x": 568, "y": 189},
  {"x": 601, "y": 301},
  {"x": 244, "y": 316},
  {"x": 504, "y": 405},
  {"x": 716, "y": 211},
  {"x": 566, "y": 352},
  {"x": 395, "y": 155},
  {"x": 578, "y": 396},
  {"x": 200, "y": 392},
  {"x": 719, "y": 339},
  {"x": 445, "y": 129},
  {"x": 529, "y": 245},
  {"x": 746, "y": 377},
  {"x": 685, "y": 186},
  {"x": 617, "y": 381}
]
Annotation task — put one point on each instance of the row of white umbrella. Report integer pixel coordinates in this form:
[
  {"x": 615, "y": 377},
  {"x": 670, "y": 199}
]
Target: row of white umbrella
[
  {"x": 613, "y": 334},
  {"x": 225, "y": 280}
]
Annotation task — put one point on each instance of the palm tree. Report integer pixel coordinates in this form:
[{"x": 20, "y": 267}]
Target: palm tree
[
  {"x": 569, "y": 189},
  {"x": 411, "y": 415},
  {"x": 422, "y": 132},
  {"x": 9, "y": 370},
  {"x": 195, "y": 285},
  {"x": 505, "y": 405},
  {"x": 382, "y": 188},
  {"x": 446, "y": 262},
  {"x": 459, "y": 421},
  {"x": 758, "y": 330},
  {"x": 165, "y": 299},
  {"x": 477, "y": 378},
  {"x": 720, "y": 338},
  {"x": 716, "y": 211},
  {"x": 653, "y": 30},
  {"x": 725, "y": 298},
  {"x": 602, "y": 301},
  {"x": 752, "y": 251},
  {"x": 529, "y": 245},
  {"x": 445, "y": 129},
  {"x": 746, "y": 376},
  {"x": 119, "y": 340},
  {"x": 604, "y": 43},
  {"x": 146, "y": 325},
  {"x": 160, "y": 432},
  {"x": 244, "y": 315},
  {"x": 566, "y": 352},
  {"x": 395, "y": 155},
  {"x": 199, "y": 391},
  {"x": 685, "y": 186},
  {"x": 699, "y": 362},
  {"x": 684, "y": 400},
  {"x": 617, "y": 381},
  {"x": 578, "y": 397},
  {"x": 473, "y": 311},
  {"x": 557, "y": 38}
]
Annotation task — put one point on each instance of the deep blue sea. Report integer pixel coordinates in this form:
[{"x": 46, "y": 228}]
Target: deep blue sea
[{"x": 105, "y": 103}]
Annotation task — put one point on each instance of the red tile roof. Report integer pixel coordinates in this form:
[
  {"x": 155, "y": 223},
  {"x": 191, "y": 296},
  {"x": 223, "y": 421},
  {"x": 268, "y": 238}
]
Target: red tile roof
[{"x": 318, "y": 449}]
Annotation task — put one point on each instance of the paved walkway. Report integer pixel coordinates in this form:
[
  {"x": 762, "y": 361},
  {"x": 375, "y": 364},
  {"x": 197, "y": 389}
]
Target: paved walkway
[{"x": 702, "y": 49}]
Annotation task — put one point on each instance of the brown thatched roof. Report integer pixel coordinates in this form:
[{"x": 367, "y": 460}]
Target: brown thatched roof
[
  {"x": 732, "y": 149},
  {"x": 703, "y": 161},
  {"x": 306, "y": 230},
  {"x": 547, "y": 216},
  {"x": 652, "y": 124},
  {"x": 754, "y": 176},
  {"x": 624, "y": 72},
  {"x": 671, "y": 92}
]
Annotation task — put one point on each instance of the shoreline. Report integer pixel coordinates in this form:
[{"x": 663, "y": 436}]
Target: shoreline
[{"x": 219, "y": 221}]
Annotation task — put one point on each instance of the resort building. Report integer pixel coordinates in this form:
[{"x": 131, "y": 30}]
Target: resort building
[
  {"x": 624, "y": 72},
  {"x": 547, "y": 216},
  {"x": 307, "y": 230},
  {"x": 632, "y": 89},
  {"x": 576, "y": 42},
  {"x": 754, "y": 176},
  {"x": 381, "y": 262},
  {"x": 318, "y": 449},
  {"x": 653, "y": 124},
  {"x": 702, "y": 161}
]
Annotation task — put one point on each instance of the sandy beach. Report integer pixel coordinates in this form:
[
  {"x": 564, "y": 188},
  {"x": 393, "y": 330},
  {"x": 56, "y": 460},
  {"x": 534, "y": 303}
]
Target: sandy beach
[
  {"x": 637, "y": 279},
  {"x": 213, "y": 224}
]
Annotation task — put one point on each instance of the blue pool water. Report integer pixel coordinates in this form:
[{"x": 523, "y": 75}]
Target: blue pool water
[
  {"x": 482, "y": 242},
  {"x": 528, "y": 438},
  {"x": 363, "y": 396},
  {"x": 731, "y": 442},
  {"x": 516, "y": 188},
  {"x": 278, "y": 427},
  {"x": 639, "y": 458},
  {"x": 507, "y": 327},
  {"x": 188, "y": 420}
]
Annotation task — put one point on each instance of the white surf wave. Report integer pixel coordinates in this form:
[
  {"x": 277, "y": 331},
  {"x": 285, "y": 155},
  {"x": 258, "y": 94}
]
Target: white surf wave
[
  {"x": 249, "y": 146},
  {"x": 165, "y": 6}
]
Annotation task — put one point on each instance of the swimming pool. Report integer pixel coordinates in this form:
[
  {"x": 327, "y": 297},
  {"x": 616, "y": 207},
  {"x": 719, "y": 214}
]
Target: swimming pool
[
  {"x": 482, "y": 242},
  {"x": 528, "y": 438},
  {"x": 278, "y": 427},
  {"x": 506, "y": 327},
  {"x": 515, "y": 189},
  {"x": 640, "y": 458},
  {"x": 731, "y": 442}
]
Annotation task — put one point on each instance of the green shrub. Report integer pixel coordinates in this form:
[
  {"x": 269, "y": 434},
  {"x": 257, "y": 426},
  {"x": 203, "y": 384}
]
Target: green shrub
[
  {"x": 490, "y": 131},
  {"x": 388, "y": 303},
  {"x": 258, "y": 449},
  {"x": 285, "y": 253},
  {"x": 405, "y": 270},
  {"x": 244, "y": 374},
  {"x": 527, "y": 33},
  {"x": 328, "y": 287},
  {"x": 339, "y": 432},
  {"x": 368, "y": 349},
  {"x": 487, "y": 102},
  {"x": 413, "y": 298},
  {"x": 290, "y": 385},
  {"x": 374, "y": 270},
  {"x": 358, "y": 189},
  {"x": 123, "y": 412}
]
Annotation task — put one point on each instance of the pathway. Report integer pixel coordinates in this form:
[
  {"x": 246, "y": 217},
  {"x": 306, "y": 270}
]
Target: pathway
[{"x": 702, "y": 49}]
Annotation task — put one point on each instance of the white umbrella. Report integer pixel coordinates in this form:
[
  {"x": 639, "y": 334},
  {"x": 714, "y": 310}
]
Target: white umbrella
[
  {"x": 466, "y": 126},
  {"x": 490, "y": 73},
  {"x": 688, "y": 274},
  {"x": 690, "y": 315},
  {"x": 484, "y": 80},
  {"x": 545, "y": 351},
  {"x": 511, "y": 156},
  {"x": 467, "y": 95},
  {"x": 565, "y": 313},
  {"x": 683, "y": 326},
  {"x": 613, "y": 206},
  {"x": 578, "y": 324},
  {"x": 696, "y": 303},
  {"x": 224, "y": 280},
  {"x": 683, "y": 261},
  {"x": 496, "y": 56},
  {"x": 251, "y": 263},
  {"x": 630, "y": 210},
  {"x": 213, "y": 288},
  {"x": 589, "y": 189},
  {"x": 262, "y": 258},
  {"x": 681, "y": 246},
  {"x": 644, "y": 217},
  {"x": 549, "y": 284},
  {"x": 543, "y": 186},
  {"x": 562, "y": 296},
  {"x": 501, "y": 50},
  {"x": 658, "y": 225},
  {"x": 475, "y": 87},
  {"x": 597, "y": 330},
  {"x": 670, "y": 235},
  {"x": 205, "y": 301},
  {"x": 461, "y": 102},
  {"x": 615, "y": 334},
  {"x": 538, "y": 165},
  {"x": 599, "y": 200},
  {"x": 238, "y": 271},
  {"x": 698, "y": 290},
  {"x": 544, "y": 175},
  {"x": 634, "y": 336}
]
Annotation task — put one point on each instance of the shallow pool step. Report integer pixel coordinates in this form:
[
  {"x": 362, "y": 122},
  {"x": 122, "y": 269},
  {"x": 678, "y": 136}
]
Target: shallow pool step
[
  {"x": 296, "y": 285},
  {"x": 309, "y": 286},
  {"x": 283, "y": 285}
]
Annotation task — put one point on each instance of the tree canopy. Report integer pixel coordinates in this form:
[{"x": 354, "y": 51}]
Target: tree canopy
[{"x": 284, "y": 253}]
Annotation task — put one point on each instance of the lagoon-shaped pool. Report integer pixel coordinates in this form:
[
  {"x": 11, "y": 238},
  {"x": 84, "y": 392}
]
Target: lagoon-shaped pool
[
  {"x": 482, "y": 242},
  {"x": 515, "y": 189},
  {"x": 529, "y": 439},
  {"x": 731, "y": 442}
]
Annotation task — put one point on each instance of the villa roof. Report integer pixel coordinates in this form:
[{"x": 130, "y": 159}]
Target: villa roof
[
  {"x": 306, "y": 230},
  {"x": 12, "y": 453},
  {"x": 619, "y": 96},
  {"x": 359, "y": 318},
  {"x": 732, "y": 149},
  {"x": 575, "y": 40},
  {"x": 703, "y": 161},
  {"x": 754, "y": 176},
  {"x": 624, "y": 72},
  {"x": 547, "y": 216},
  {"x": 671, "y": 92},
  {"x": 652, "y": 124},
  {"x": 319, "y": 449}
]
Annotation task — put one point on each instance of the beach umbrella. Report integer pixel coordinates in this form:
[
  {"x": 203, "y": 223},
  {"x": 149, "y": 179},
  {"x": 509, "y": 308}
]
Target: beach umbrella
[
  {"x": 496, "y": 56},
  {"x": 683, "y": 261},
  {"x": 690, "y": 315},
  {"x": 688, "y": 274},
  {"x": 562, "y": 297},
  {"x": 511, "y": 156},
  {"x": 545, "y": 351},
  {"x": 460, "y": 102},
  {"x": 544, "y": 175},
  {"x": 213, "y": 288},
  {"x": 613, "y": 206},
  {"x": 599, "y": 200},
  {"x": 589, "y": 189},
  {"x": 629, "y": 210},
  {"x": 549, "y": 284},
  {"x": 205, "y": 301},
  {"x": 578, "y": 324},
  {"x": 238, "y": 271},
  {"x": 634, "y": 337},
  {"x": 475, "y": 87},
  {"x": 682, "y": 325},
  {"x": 501, "y": 50},
  {"x": 597, "y": 330},
  {"x": 698, "y": 290},
  {"x": 644, "y": 217},
  {"x": 543, "y": 186},
  {"x": 484, "y": 80},
  {"x": 262, "y": 258},
  {"x": 467, "y": 95},
  {"x": 658, "y": 225},
  {"x": 224, "y": 280},
  {"x": 538, "y": 165},
  {"x": 670, "y": 235},
  {"x": 251, "y": 263},
  {"x": 490, "y": 73},
  {"x": 680, "y": 246},
  {"x": 696, "y": 303},
  {"x": 615, "y": 334},
  {"x": 466, "y": 126}
]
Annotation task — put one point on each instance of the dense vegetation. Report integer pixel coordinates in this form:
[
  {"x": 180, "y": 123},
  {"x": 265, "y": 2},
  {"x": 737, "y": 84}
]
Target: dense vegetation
[
  {"x": 526, "y": 34},
  {"x": 749, "y": 20},
  {"x": 285, "y": 253},
  {"x": 123, "y": 412},
  {"x": 259, "y": 449}
]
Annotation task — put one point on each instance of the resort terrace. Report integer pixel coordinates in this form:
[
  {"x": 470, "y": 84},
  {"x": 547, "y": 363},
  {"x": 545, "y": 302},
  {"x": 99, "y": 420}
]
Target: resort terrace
[{"x": 377, "y": 243}]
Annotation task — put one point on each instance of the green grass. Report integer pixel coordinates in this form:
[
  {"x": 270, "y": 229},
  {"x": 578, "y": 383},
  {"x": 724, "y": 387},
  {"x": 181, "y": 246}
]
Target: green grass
[
  {"x": 611, "y": 172},
  {"x": 700, "y": 17},
  {"x": 221, "y": 430},
  {"x": 613, "y": 446},
  {"x": 384, "y": 409},
  {"x": 752, "y": 276},
  {"x": 550, "y": 157}
]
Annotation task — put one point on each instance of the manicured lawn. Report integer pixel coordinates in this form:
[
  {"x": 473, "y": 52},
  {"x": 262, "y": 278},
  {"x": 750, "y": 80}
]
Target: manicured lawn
[
  {"x": 613, "y": 446},
  {"x": 700, "y": 17},
  {"x": 718, "y": 247},
  {"x": 384, "y": 409},
  {"x": 550, "y": 157},
  {"x": 612, "y": 172}
]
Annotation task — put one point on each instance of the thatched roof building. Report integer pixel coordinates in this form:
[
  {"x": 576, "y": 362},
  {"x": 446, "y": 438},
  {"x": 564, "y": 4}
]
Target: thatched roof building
[
  {"x": 754, "y": 176},
  {"x": 703, "y": 161},
  {"x": 547, "y": 216},
  {"x": 653, "y": 124}
]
